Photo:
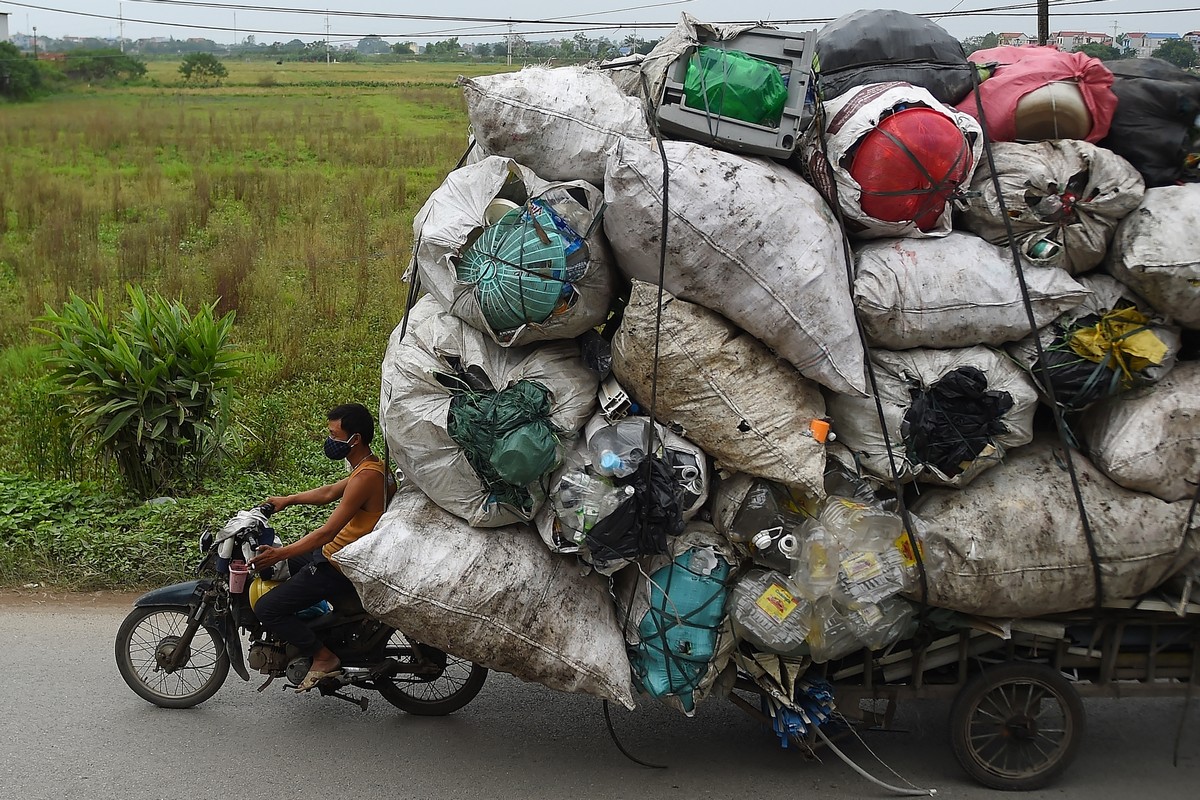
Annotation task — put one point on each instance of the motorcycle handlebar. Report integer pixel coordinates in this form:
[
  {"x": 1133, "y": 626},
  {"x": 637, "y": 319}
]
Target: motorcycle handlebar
[{"x": 267, "y": 509}]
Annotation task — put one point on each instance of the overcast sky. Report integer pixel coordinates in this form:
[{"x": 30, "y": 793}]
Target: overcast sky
[{"x": 148, "y": 18}]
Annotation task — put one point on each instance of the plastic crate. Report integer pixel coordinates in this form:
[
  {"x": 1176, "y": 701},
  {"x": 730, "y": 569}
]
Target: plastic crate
[{"x": 790, "y": 51}]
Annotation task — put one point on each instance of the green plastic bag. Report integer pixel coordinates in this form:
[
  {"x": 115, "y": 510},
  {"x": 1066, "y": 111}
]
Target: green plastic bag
[
  {"x": 729, "y": 83},
  {"x": 506, "y": 436}
]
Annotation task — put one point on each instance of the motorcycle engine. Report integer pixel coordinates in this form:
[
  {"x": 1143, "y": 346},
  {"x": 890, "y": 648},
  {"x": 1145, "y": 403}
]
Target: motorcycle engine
[
  {"x": 297, "y": 668},
  {"x": 269, "y": 659}
]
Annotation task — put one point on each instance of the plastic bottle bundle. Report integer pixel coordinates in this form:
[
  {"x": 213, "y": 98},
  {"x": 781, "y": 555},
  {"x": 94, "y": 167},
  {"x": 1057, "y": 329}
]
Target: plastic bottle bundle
[
  {"x": 617, "y": 449},
  {"x": 878, "y": 625},
  {"x": 766, "y": 612},
  {"x": 832, "y": 636},
  {"x": 582, "y": 499},
  {"x": 815, "y": 572},
  {"x": 872, "y": 567}
]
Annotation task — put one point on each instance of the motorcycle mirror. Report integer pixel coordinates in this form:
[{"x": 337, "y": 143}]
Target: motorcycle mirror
[{"x": 206, "y": 541}]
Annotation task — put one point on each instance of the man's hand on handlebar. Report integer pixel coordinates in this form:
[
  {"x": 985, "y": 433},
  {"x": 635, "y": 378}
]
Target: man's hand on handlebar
[{"x": 268, "y": 556}]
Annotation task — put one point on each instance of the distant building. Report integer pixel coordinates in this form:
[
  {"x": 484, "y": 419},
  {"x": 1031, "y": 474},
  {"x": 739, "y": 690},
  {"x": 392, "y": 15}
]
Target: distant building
[
  {"x": 1144, "y": 44},
  {"x": 1193, "y": 38},
  {"x": 1015, "y": 39},
  {"x": 3, "y": 26},
  {"x": 1069, "y": 40}
]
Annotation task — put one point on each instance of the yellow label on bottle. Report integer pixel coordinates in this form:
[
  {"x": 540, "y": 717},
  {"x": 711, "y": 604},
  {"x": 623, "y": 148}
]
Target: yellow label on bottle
[
  {"x": 904, "y": 544},
  {"x": 862, "y": 566},
  {"x": 777, "y": 602}
]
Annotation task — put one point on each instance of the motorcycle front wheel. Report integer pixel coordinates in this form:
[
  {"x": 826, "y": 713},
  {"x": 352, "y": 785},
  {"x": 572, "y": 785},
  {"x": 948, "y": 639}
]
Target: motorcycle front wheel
[
  {"x": 446, "y": 684},
  {"x": 147, "y": 640}
]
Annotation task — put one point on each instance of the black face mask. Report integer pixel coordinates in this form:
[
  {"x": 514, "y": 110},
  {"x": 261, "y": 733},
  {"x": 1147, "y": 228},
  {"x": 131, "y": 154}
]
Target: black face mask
[{"x": 336, "y": 449}]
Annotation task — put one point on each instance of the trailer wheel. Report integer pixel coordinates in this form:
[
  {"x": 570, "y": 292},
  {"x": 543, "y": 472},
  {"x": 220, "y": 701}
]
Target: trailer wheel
[{"x": 1016, "y": 726}]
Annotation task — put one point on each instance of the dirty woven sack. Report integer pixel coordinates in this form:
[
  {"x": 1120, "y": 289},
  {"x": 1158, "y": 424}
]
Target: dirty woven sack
[
  {"x": 747, "y": 238},
  {"x": 460, "y": 413},
  {"x": 495, "y": 597},
  {"x": 951, "y": 414},
  {"x": 1013, "y": 545},
  {"x": 541, "y": 271},
  {"x": 723, "y": 389},
  {"x": 1149, "y": 440},
  {"x": 898, "y": 159},
  {"x": 1154, "y": 252},
  {"x": 1110, "y": 343},
  {"x": 1064, "y": 200},
  {"x": 953, "y": 292},
  {"x": 560, "y": 122}
]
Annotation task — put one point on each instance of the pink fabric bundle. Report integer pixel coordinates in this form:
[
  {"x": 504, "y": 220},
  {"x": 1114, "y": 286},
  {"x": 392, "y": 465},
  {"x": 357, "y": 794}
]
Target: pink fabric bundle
[{"x": 1022, "y": 70}]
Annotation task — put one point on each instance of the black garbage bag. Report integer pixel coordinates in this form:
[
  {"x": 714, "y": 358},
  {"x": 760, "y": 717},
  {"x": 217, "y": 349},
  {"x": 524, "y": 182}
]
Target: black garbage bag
[
  {"x": 1154, "y": 125},
  {"x": 878, "y": 46},
  {"x": 949, "y": 424},
  {"x": 640, "y": 525}
]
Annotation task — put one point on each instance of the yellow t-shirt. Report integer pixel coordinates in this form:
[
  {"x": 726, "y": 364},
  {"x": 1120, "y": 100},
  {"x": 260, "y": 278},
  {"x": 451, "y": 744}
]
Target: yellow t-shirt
[{"x": 363, "y": 521}]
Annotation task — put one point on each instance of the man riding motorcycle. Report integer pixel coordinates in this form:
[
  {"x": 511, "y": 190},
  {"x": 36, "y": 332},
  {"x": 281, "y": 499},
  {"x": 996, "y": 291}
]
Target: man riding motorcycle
[{"x": 313, "y": 576}]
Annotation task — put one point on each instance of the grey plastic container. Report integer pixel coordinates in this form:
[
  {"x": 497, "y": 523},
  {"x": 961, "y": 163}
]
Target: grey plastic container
[{"x": 791, "y": 51}]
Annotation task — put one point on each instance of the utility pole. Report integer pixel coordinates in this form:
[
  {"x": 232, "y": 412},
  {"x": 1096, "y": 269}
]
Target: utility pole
[
  {"x": 510, "y": 43},
  {"x": 327, "y": 36},
  {"x": 1043, "y": 13},
  {"x": 235, "y": 39},
  {"x": 35, "y": 42},
  {"x": 121, "y": 26}
]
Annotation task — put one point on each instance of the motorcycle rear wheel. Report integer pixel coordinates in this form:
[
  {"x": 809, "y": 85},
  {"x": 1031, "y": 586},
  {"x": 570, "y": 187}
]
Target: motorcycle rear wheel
[
  {"x": 451, "y": 686},
  {"x": 148, "y": 636}
]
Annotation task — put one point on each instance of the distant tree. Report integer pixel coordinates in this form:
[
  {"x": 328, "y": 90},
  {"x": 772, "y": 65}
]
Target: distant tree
[
  {"x": 372, "y": 46},
  {"x": 107, "y": 63},
  {"x": 20, "y": 78},
  {"x": 1104, "y": 52},
  {"x": 985, "y": 42},
  {"x": 1178, "y": 52},
  {"x": 202, "y": 68},
  {"x": 449, "y": 48},
  {"x": 403, "y": 49}
]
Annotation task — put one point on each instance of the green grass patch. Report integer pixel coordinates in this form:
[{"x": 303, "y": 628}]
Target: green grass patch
[{"x": 289, "y": 201}]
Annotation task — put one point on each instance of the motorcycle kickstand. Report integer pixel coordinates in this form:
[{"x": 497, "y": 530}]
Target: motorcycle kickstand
[
  {"x": 361, "y": 702},
  {"x": 270, "y": 678}
]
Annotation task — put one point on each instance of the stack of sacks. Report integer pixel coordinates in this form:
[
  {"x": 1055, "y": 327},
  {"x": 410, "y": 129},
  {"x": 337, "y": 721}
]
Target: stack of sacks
[{"x": 666, "y": 491}]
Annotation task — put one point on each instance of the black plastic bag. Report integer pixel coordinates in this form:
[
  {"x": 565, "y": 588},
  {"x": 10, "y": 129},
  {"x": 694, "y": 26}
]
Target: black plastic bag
[
  {"x": 1152, "y": 129},
  {"x": 949, "y": 424},
  {"x": 878, "y": 46},
  {"x": 640, "y": 525}
]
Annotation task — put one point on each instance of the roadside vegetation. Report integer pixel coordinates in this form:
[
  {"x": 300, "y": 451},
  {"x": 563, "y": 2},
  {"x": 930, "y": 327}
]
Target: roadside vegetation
[{"x": 283, "y": 197}]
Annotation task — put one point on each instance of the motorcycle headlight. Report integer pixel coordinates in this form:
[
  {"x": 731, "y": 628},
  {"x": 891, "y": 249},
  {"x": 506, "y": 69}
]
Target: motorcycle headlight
[{"x": 206, "y": 541}]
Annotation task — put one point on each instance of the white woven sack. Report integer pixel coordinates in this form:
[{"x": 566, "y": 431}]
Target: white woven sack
[
  {"x": 495, "y": 597},
  {"x": 414, "y": 405},
  {"x": 560, "y": 122},
  {"x": 1155, "y": 253},
  {"x": 453, "y": 217},
  {"x": 899, "y": 374},
  {"x": 1149, "y": 440},
  {"x": 747, "y": 238},
  {"x": 953, "y": 292},
  {"x": 722, "y": 389},
  {"x": 851, "y": 116},
  {"x": 1013, "y": 544},
  {"x": 1099, "y": 187}
]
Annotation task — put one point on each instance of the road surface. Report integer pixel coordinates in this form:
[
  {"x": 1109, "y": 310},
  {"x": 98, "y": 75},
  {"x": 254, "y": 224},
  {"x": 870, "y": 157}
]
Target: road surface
[{"x": 70, "y": 728}]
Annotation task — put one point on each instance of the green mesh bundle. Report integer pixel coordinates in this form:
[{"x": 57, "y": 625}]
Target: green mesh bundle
[
  {"x": 507, "y": 437},
  {"x": 729, "y": 83}
]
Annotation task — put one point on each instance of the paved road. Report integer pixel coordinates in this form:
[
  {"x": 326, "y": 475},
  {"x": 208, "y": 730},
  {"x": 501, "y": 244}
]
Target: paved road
[{"x": 69, "y": 728}]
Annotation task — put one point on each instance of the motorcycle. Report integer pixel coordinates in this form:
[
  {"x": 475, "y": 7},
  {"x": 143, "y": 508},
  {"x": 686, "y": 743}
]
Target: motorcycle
[{"x": 176, "y": 647}]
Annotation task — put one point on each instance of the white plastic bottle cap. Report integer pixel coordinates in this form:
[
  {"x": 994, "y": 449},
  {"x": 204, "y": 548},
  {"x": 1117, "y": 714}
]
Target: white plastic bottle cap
[{"x": 761, "y": 540}]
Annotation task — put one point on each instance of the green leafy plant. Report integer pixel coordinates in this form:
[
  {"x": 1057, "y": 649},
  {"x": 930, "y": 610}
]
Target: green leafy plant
[
  {"x": 150, "y": 389},
  {"x": 202, "y": 68}
]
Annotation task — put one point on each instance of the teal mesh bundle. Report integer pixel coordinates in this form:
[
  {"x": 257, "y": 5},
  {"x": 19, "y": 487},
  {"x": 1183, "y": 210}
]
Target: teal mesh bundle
[
  {"x": 729, "y": 83},
  {"x": 518, "y": 268},
  {"x": 679, "y": 634},
  {"x": 507, "y": 438}
]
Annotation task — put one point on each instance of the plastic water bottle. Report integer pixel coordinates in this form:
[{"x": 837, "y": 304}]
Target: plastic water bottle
[
  {"x": 816, "y": 571},
  {"x": 766, "y": 612},
  {"x": 617, "y": 450}
]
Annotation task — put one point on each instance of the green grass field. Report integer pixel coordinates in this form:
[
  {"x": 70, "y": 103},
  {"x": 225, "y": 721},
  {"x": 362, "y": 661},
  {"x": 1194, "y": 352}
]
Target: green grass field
[{"x": 286, "y": 194}]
